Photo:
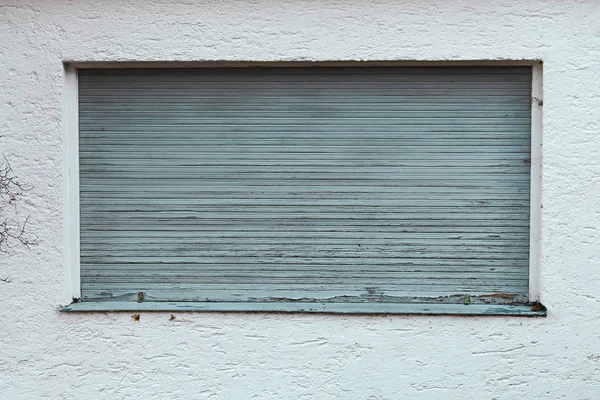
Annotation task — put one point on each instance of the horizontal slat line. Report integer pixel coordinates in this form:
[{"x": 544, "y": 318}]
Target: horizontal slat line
[
  {"x": 316, "y": 226},
  {"x": 514, "y": 285},
  {"x": 517, "y": 236},
  {"x": 400, "y": 157},
  {"x": 281, "y": 149},
  {"x": 432, "y": 124},
  {"x": 301, "y": 193},
  {"x": 425, "y": 166},
  {"x": 242, "y": 301},
  {"x": 323, "y": 242},
  {"x": 220, "y": 292},
  {"x": 293, "y": 139},
  {"x": 374, "y": 97},
  {"x": 315, "y": 188},
  {"x": 489, "y": 162},
  {"x": 233, "y": 156},
  {"x": 388, "y": 130},
  {"x": 329, "y": 93},
  {"x": 318, "y": 258},
  {"x": 339, "y": 232},
  {"x": 306, "y": 213},
  {"x": 321, "y": 71},
  {"x": 420, "y": 267},
  {"x": 354, "y": 122},
  {"x": 278, "y": 248},
  {"x": 379, "y": 83},
  {"x": 239, "y": 276},
  {"x": 290, "y": 111},
  {"x": 516, "y": 168},
  {"x": 309, "y": 216},
  {"x": 384, "y": 277},
  {"x": 339, "y": 100},
  {"x": 494, "y": 153},
  {"x": 365, "y": 255},
  {"x": 224, "y": 133},
  {"x": 257, "y": 196},
  {"x": 349, "y": 134},
  {"x": 204, "y": 145},
  {"x": 87, "y": 103},
  {"x": 114, "y": 178},
  {"x": 250, "y": 282},
  {"x": 316, "y": 159},
  {"x": 201, "y": 143},
  {"x": 255, "y": 176},
  {"x": 397, "y": 289},
  {"x": 195, "y": 205},
  {"x": 298, "y": 93},
  {"x": 284, "y": 107},
  {"x": 275, "y": 81},
  {"x": 400, "y": 265},
  {"x": 323, "y": 250},
  {"x": 407, "y": 181},
  {"x": 127, "y": 82},
  {"x": 309, "y": 157},
  {"x": 397, "y": 173},
  {"x": 231, "y": 217},
  {"x": 334, "y": 259},
  {"x": 333, "y": 80},
  {"x": 342, "y": 208},
  {"x": 300, "y": 89},
  {"x": 153, "y": 171},
  {"x": 254, "y": 198},
  {"x": 350, "y": 131},
  {"x": 225, "y": 280},
  {"x": 269, "y": 249},
  {"x": 243, "y": 271},
  {"x": 367, "y": 219},
  {"x": 372, "y": 277}
]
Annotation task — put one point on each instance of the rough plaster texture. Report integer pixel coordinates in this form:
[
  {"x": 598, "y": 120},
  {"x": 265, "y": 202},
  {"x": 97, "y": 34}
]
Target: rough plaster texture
[{"x": 47, "y": 354}]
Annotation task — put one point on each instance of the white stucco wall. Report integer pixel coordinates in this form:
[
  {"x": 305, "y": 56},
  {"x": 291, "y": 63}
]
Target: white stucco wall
[{"x": 48, "y": 354}]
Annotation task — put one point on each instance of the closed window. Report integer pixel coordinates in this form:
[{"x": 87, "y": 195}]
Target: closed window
[{"x": 315, "y": 188}]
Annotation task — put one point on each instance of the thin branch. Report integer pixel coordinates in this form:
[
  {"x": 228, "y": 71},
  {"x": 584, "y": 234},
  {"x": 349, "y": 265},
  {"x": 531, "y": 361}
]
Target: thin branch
[
  {"x": 11, "y": 230},
  {"x": 9, "y": 184}
]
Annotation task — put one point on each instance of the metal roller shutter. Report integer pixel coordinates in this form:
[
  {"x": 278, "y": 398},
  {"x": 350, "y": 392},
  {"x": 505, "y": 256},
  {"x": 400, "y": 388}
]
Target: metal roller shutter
[{"x": 363, "y": 184}]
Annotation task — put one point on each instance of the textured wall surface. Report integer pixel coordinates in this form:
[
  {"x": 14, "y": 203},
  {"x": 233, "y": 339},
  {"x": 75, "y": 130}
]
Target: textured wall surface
[{"x": 47, "y": 354}]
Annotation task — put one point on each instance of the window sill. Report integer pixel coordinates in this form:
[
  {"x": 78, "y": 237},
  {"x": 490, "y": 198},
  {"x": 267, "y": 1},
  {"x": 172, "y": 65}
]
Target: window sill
[{"x": 336, "y": 308}]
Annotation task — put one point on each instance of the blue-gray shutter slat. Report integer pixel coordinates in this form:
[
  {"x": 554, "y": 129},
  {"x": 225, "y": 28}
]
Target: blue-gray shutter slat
[{"x": 365, "y": 184}]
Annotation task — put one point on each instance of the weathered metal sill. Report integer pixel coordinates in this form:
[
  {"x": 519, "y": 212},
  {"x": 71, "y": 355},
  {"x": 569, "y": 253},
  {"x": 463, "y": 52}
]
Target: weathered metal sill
[{"x": 333, "y": 308}]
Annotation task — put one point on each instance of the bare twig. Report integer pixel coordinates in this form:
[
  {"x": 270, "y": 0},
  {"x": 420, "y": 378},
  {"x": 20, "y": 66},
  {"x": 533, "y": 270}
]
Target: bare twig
[{"x": 11, "y": 230}]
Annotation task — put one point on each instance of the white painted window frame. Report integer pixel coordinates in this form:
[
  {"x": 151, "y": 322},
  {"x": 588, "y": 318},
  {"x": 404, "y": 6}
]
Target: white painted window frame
[
  {"x": 71, "y": 222},
  {"x": 72, "y": 266},
  {"x": 535, "y": 215}
]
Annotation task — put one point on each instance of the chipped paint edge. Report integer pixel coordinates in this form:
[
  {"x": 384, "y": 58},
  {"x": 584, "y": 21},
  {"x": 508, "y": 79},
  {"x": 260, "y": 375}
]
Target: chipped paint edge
[{"x": 332, "y": 308}]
